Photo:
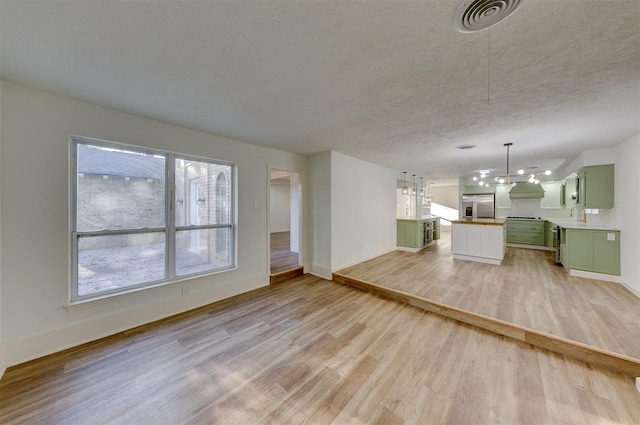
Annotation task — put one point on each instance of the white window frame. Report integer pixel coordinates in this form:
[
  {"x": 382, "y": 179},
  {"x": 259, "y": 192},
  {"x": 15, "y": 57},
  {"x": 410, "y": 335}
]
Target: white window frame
[{"x": 169, "y": 229}]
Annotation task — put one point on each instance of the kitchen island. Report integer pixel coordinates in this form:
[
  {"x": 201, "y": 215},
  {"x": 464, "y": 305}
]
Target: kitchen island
[
  {"x": 480, "y": 239},
  {"x": 416, "y": 234}
]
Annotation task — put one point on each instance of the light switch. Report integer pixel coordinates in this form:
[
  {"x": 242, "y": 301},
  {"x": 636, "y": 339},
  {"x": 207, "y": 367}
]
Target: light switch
[{"x": 611, "y": 236}]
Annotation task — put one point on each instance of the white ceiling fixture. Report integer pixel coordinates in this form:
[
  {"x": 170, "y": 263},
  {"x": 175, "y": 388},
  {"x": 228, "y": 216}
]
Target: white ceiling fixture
[
  {"x": 508, "y": 178},
  {"x": 477, "y": 15}
]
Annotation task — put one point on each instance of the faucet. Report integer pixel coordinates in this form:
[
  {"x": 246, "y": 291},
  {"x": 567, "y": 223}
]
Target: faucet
[{"x": 571, "y": 211}]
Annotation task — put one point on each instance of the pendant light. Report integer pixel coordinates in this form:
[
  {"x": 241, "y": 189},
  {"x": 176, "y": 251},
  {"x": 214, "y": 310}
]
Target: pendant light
[
  {"x": 405, "y": 189},
  {"x": 421, "y": 188},
  {"x": 413, "y": 187}
]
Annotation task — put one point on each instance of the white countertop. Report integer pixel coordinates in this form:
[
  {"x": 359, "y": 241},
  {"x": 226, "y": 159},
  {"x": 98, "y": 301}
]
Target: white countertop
[
  {"x": 424, "y": 217},
  {"x": 575, "y": 224}
]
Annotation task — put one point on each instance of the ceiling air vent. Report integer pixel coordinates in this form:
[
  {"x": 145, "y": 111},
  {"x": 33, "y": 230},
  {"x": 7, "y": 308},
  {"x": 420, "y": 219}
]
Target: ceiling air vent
[{"x": 476, "y": 15}]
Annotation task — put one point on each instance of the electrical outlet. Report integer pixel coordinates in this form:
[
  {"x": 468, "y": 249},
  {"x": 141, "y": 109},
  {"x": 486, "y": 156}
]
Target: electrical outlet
[{"x": 185, "y": 290}]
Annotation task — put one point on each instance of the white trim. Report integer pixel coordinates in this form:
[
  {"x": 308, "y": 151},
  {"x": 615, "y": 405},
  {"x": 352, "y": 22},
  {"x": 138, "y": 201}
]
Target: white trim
[
  {"x": 629, "y": 287},
  {"x": 133, "y": 292},
  {"x": 302, "y": 216},
  {"x": 527, "y": 246},
  {"x": 3, "y": 368},
  {"x": 169, "y": 229},
  {"x": 477, "y": 259},
  {"x": 414, "y": 250},
  {"x": 29, "y": 348},
  {"x": 593, "y": 275},
  {"x": 362, "y": 260},
  {"x": 321, "y": 271}
]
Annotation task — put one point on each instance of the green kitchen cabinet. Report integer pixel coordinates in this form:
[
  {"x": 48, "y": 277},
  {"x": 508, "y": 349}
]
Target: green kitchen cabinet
[
  {"x": 416, "y": 234},
  {"x": 595, "y": 186},
  {"x": 550, "y": 235},
  {"x": 525, "y": 232},
  {"x": 592, "y": 250}
]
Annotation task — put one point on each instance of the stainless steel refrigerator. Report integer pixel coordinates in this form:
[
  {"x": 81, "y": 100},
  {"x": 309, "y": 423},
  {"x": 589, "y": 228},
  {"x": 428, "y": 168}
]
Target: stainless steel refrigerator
[{"x": 478, "y": 206}]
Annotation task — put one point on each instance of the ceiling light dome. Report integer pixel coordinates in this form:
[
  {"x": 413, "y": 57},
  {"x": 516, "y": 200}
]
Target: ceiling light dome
[{"x": 476, "y": 15}]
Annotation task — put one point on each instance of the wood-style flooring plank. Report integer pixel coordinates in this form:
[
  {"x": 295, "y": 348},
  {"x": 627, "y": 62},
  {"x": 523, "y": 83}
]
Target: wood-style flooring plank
[
  {"x": 311, "y": 351},
  {"x": 528, "y": 290}
]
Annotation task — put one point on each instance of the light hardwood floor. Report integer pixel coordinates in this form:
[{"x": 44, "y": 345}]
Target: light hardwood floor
[
  {"x": 282, "y": 258},
  {"x": 317, "y": 352},
  {"x": 529, "y": 290}
]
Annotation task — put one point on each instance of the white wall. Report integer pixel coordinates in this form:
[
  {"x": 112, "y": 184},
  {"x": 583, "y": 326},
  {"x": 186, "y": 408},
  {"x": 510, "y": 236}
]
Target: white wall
[
  {"x": 2, "y": 362},
  {"x": 320, "y": 216},
  {"x": 448, "y": 196},
  {"x": 591, "y": 157},
  {"x": 627, "y": 176},
  {"x": 363, "y": 213},
  {"x": 35, "y": 232},
  {"x": 279, "y": 211}
]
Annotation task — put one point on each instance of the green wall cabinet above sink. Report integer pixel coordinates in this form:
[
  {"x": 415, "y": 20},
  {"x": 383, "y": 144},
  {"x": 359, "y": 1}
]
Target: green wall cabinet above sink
[{"x": 595, "y": 186}]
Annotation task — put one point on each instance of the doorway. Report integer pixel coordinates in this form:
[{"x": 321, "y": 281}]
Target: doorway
[{"x": 285, "y": 224}]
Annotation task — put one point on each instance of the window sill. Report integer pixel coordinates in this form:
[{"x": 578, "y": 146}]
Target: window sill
[{"x": 109, "y": 298}]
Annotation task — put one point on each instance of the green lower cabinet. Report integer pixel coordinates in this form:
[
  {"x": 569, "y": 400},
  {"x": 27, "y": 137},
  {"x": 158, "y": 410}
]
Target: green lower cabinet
[
  {"x": 401, "y": 232},
  {"x": 593, "y": 250},
  {"x": 606, "y": 252},
  {"x": 550, "y": 236},
  {"x": 411, "y": 233},
  {"x": 526, "y": 232}
]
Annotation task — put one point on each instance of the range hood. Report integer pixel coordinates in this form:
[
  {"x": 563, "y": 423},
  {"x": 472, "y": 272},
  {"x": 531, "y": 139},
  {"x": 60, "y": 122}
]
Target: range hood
[{"x": 526, "y": 190}]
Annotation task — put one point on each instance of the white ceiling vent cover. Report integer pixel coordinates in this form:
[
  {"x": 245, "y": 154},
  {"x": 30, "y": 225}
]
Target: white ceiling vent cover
[{"x": 476, "y": 15}]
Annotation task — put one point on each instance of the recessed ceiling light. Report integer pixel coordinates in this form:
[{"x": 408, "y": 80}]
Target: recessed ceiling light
[{"x": 465, "y": 147}]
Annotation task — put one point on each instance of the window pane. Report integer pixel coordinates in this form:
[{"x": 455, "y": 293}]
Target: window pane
[
  {"x": 118, "y": 261},
  {"x": 202, "y": 193},
  {"x": 119, "y": 189},
  {"x": 202, "y": 250}
]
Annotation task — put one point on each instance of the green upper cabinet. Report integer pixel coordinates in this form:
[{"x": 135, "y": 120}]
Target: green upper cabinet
[{"x": 595, "y": 186}]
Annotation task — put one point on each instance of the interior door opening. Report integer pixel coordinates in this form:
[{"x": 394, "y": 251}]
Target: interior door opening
[{"x": 285, "y": 225}]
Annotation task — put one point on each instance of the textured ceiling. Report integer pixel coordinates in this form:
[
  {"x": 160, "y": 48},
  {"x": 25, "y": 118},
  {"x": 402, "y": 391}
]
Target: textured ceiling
[{"x": 390, "y": 82}]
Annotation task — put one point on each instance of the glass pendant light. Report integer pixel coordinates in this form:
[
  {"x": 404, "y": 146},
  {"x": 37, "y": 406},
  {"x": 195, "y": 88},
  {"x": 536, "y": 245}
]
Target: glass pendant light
[{"x": 405, "y": 189}]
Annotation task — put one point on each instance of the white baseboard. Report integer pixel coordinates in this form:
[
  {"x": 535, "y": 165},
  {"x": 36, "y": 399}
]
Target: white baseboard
[
  {"x": 3, "y": 368},
  {"x": 414, "y": 250},
  {"x": 596, "y": 276},
  {"x": 321, "y": 271},
  {"x": 630, "y": 288},
  {"x": 526, "y": 246},
  {"x": 33, "y": 347},
  {"x": 362, "y": 260},
  {"x": 485, "y": 260}
]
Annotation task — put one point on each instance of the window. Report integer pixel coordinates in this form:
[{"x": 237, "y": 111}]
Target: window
[{"x": 144, "y": 217}]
